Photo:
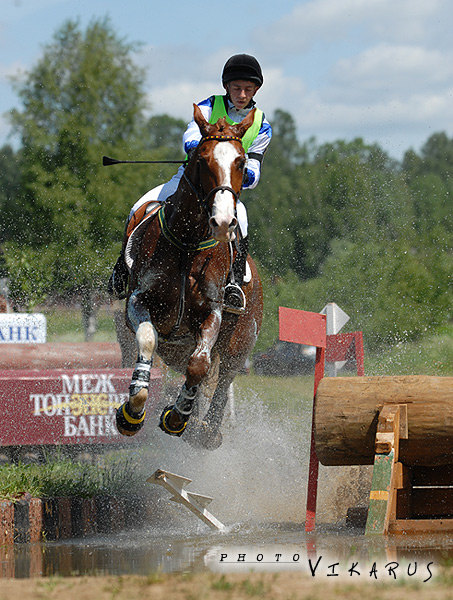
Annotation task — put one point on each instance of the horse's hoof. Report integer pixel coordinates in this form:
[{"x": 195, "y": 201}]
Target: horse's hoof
[
  {"x": 128, "y": 422},
  {"x": 165, "y": 426}
]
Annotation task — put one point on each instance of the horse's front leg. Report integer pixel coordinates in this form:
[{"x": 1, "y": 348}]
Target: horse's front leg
[
  {"x": 174, "y": 418},
  {"x": 131, "y": 415}
]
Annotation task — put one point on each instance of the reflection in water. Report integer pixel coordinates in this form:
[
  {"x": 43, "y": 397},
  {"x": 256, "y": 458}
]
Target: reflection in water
[
  {"x": 257, "y": 479},
  {"x": 243, "y": 547}
]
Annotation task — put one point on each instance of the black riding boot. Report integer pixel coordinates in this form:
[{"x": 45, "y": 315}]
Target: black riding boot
[
  {"x": 234, "y": 299},
  {"x": 119, "y": 279}
]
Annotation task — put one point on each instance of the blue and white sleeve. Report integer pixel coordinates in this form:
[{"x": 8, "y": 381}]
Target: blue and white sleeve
[
  {"x": 192, "y": 136},
  {"x": 255, "y": 156}
]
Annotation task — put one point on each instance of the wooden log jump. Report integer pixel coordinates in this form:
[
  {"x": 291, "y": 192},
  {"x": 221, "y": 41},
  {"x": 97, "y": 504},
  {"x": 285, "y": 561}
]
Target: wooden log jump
[{"x": 404, "y": 426}]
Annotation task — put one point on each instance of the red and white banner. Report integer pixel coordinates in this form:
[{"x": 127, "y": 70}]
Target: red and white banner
[{"x": 62, "y": 406}]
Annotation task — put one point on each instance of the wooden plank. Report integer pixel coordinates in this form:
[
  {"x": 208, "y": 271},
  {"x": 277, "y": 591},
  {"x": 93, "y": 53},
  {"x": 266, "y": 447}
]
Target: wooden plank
[
  {"x": 431, "y": 502},
  {"x": 380, "y": 495},
  {"x": 432, "y": 475},
  {"x": 387, "y": 472},
  {"x": 416, "y": 526},
  {"x": 302, "y": 327}
]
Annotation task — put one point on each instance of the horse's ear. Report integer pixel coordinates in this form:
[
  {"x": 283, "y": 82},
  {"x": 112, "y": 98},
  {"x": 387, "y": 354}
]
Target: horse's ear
[
  {"x": 242, "y": 127},
  {"x": 200, "y": 120}
]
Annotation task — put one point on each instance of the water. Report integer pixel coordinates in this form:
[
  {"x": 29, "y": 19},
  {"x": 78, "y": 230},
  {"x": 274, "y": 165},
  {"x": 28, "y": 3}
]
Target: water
[
  {"x": 258, "y": 481},
  {"x": 269, "y": 547}
]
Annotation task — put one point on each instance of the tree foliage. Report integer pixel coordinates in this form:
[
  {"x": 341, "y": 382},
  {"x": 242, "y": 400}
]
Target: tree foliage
[
  {"x": 335, "y": 222},
  {"x": 343, "y": 222},
  {"x": 83, "y": 97}
]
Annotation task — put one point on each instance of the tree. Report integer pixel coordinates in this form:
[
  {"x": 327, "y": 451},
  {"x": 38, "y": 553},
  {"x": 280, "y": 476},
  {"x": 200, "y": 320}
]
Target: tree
[
  {"x": 164, "y": 133},
  {"x": 83, "y": 98},
  {"x": 390, "y": 291},
  {"x": 273, "y": 204},
  {"x": 430, "y": 178},
  {"x": 10, "y": 165}
]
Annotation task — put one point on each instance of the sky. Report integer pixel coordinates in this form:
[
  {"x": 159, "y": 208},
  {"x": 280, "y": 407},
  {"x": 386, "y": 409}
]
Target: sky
[{"x": 381, "y": 70}]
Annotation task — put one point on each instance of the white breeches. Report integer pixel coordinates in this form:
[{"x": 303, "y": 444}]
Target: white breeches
[
  {"x": 165, "y": 190},
  {"x": 159, "y": 193}
]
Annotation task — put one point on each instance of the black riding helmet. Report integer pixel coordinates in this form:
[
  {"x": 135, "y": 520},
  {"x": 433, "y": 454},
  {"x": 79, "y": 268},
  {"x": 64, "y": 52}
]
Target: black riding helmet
[{"x": 242, "y": 66}]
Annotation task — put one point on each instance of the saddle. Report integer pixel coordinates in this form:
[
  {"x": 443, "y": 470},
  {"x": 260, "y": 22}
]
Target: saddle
[{"x": 136, "y": 228}]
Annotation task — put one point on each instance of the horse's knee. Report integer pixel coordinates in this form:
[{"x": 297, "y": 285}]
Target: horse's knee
[
  {"x": 198, "y": 367},
  {"x": 146, "y": 339}
]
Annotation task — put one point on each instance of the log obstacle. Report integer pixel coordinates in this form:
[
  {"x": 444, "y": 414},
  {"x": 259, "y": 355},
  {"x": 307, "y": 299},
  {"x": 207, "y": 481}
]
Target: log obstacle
[
  {"x": 302, "y": 327},
  {"x": 403, "y": 426}
]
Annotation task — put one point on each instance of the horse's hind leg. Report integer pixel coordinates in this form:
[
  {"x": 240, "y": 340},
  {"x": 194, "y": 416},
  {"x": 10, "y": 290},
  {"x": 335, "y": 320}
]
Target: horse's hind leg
[
  {"x": 131, "y": 415},
  {"x": 208, "y": 434}
]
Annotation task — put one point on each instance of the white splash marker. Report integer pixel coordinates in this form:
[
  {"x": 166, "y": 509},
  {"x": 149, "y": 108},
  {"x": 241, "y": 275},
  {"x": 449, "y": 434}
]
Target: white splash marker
[{"x": 196, "y": 503}]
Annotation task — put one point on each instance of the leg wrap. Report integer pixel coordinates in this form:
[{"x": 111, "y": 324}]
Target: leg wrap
[
  {"x": 140, "y": 377},
  {"x": 127, "y": 421},
  {"x": 183, "y": 408}
]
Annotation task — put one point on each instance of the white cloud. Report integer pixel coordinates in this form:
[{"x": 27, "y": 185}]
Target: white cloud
[
  {"x": 327, "y": 21},
  {"x": 278, "y": 89},
  {"x": 377, "y": 69},
  {"x": 177, "y": 98},
  {"x": 389, "y": 70},
  {"x": 395, "y": 123},
  {"x": 395, "y": 95},
  {"x": 167, "y": 64}
]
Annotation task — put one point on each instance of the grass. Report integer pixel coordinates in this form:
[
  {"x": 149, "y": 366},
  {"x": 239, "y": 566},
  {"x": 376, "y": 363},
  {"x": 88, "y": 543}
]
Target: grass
[
  {"x": 62, "y": 477},
  {"x": 64, "y": 324},
  {"x": 431, "y": 356},
  {"x": 276, "y": 391}
]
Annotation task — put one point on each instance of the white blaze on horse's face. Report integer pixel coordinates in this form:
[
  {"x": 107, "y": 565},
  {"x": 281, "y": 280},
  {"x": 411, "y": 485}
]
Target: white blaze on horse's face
[{"x": 223, "y": 221}]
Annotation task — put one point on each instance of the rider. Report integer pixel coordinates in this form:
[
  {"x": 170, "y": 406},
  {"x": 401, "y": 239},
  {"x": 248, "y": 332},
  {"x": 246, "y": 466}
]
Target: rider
[{"x": 241, "y": 77}]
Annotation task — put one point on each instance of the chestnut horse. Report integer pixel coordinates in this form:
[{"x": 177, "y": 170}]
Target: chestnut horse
[{"x": 177, "y": 287}]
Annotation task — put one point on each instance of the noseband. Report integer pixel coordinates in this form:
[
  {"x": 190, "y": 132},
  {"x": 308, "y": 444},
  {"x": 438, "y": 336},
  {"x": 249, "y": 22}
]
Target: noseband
[{"x": 204, "y": 199}]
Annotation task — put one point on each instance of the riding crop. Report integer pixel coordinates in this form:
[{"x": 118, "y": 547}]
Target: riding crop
[{"x": 106, "y": 161}]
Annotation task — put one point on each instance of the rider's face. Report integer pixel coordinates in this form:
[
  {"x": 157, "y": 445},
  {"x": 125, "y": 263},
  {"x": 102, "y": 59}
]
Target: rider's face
[{"x": 241, "y": 92}]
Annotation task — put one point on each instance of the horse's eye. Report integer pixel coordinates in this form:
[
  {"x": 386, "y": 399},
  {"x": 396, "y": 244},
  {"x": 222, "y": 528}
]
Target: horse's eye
[{"x": 241, "y": 163}]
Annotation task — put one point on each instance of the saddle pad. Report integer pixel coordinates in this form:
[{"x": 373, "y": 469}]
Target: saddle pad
[
  {"x": 248, "y": 273},
  {"x": 136, "y": 234}
]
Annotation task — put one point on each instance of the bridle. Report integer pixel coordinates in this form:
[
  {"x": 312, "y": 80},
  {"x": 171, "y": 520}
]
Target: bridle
[
  {"x": 204, "y": 198},
  {"x": 205, "y": 244}
]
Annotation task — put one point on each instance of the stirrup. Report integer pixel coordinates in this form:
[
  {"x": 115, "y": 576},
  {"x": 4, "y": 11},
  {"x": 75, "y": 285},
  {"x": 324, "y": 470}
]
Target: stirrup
[{"x": 234, "y": 299}]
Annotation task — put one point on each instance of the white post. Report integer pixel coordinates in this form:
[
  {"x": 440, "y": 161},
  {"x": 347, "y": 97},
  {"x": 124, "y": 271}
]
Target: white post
[{"x": 336, "y": 319}]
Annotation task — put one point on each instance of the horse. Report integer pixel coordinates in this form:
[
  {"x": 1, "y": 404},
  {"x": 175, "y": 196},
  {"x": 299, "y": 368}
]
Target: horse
[{"x": 176, "y": 288}]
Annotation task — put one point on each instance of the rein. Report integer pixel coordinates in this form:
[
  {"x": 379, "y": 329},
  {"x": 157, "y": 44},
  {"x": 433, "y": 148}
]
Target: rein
[
  {"x": 171, "y": 237},
  {"x": 205, "y": 244},
  {"x": 203, "y": 199},
  {"x": 220, "y": 188}
]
